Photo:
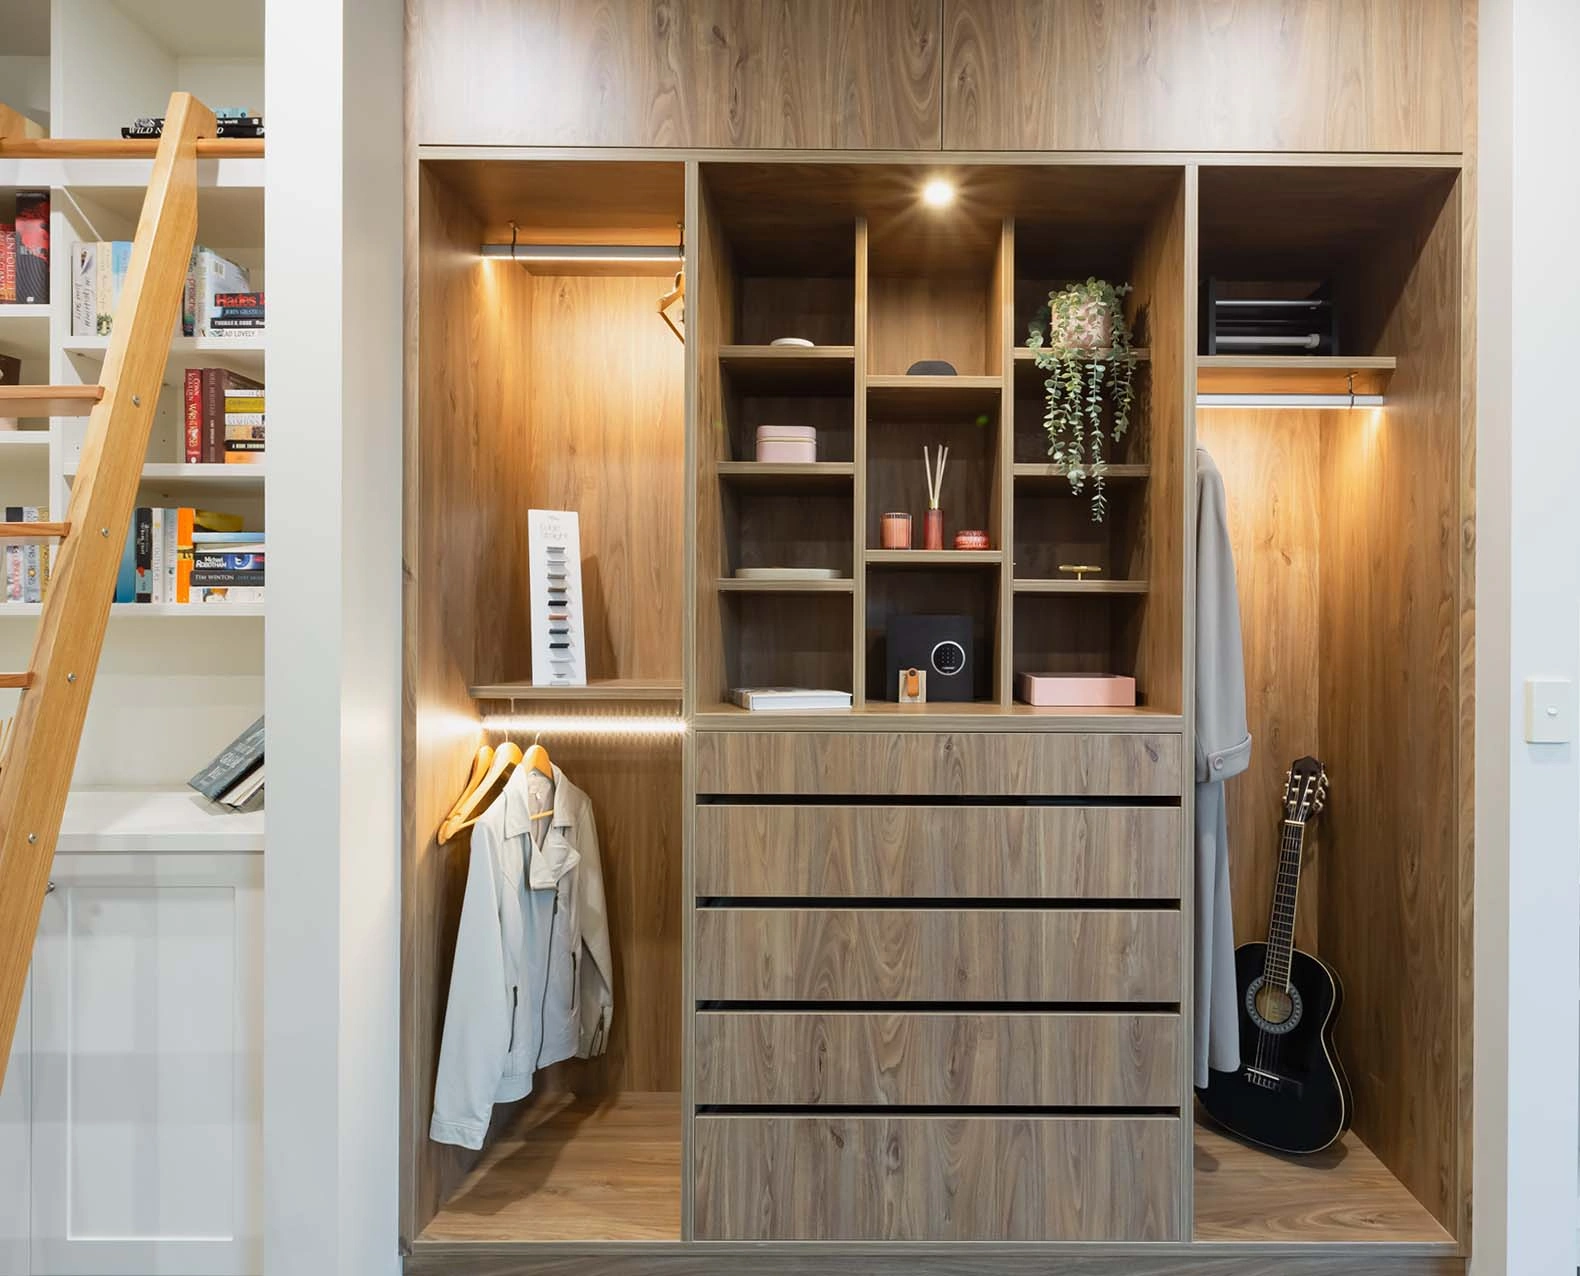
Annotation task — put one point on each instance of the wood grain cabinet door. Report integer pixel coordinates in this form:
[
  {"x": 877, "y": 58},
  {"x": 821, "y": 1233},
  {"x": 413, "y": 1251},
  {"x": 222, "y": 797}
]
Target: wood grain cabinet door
[
  {"x": 1203, "y": 75},
  {"x": 816, "y": 74}
]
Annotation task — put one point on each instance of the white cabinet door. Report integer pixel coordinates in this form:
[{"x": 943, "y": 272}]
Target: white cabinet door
[
  {"x": 15, "y": 1169},
  {"x": 147, "y": 1030}
]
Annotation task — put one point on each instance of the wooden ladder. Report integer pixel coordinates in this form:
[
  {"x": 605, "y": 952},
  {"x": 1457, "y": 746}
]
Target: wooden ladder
[{"x": 41, "y": 751}]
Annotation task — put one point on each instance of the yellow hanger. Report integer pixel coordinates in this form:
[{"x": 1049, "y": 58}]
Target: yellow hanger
[
  {"x": 472, "y": 806},
  {"x": 480, "y": 764},
  {"x": 538, "y": 760}
]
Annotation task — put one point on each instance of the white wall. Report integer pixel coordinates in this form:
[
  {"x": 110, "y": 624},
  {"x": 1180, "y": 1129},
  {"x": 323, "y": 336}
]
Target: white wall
[
  {"x": 332, "y": 659},
  {"x": 1528, "y": 625}
]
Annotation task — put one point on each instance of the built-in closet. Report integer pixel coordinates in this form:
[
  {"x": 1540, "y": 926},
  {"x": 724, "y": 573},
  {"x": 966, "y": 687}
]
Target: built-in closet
[{"x": 919, "y": 973}]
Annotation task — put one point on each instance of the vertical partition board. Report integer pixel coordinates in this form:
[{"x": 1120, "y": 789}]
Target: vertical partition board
[
  {"x": 1271, "y": 463},
  {"x": 858, "y": 612},
  {"x": 710, "y": 303},
  {"x": 466, "y": 572},
  {"x": 1389, "y": 718},
  {"x": 1163, "y": 282},
  {"x": 1002, "y": 345}
]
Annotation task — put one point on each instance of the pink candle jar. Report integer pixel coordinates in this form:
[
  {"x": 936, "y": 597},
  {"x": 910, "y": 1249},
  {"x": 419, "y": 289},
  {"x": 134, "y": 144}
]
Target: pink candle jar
[{"x": 894, "y": 531}]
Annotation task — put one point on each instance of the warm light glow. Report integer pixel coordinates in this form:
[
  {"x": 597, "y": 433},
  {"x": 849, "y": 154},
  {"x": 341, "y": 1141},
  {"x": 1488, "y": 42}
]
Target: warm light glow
[
  {"x": 938, "y": 193},
  {"x": 591, "y": 724},
  {"x": 1290, "y": 400}
]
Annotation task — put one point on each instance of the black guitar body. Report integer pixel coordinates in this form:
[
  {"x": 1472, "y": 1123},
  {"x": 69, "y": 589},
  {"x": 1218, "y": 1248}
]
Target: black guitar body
[{"x": 1290, "y": 1093}]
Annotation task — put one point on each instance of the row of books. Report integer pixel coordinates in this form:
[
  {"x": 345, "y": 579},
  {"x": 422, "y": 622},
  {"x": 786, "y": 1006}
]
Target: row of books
[
  {"x": 224, "y": 417},
  {"x": 186, "y": 555},
  {"x": 217, "y": 301},
  {"x": 26, "y": 566},
  {"x": 24, "y": 250},
  {"x": 235, "y": 777},
  {"x": 230, "y": 121}
]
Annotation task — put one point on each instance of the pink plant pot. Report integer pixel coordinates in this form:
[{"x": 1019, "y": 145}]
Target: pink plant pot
[{"x": 933, "y": 530}]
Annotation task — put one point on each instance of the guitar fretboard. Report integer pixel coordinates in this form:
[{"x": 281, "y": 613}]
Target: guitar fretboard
[{"x": 1286, "y": 896}]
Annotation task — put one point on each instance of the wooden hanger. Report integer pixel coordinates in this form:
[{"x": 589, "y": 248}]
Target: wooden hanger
[
  {"x": 473, "y": 805},
  {"x": 677, "y": 293},
  {"x": 537, "y": 759},
  {"x": 480, "y": 765}
]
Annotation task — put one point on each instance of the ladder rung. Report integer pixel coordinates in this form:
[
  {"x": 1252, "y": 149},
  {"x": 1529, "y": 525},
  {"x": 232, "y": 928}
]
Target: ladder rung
[
  {"x": 12, "y": 533},
  {"x": 49, "y": 400},
  {"x": 16, "y": 681}
]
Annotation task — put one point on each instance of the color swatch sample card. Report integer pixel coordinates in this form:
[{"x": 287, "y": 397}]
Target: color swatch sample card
[{"x": 559, "y": 641}]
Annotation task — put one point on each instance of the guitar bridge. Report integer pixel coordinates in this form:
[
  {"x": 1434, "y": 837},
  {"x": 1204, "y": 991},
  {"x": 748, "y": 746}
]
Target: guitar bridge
[{"x": 1266, "y": 1080}]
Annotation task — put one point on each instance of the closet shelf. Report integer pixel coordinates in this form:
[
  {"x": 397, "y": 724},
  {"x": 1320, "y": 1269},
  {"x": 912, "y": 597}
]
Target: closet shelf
[
  {"x": 731, "y": 585},
  {"x": 24, "y": 330},
  {"x": 790, "y": 369},
  {"x": 1028, "y": 376},
  {"x": 1058, "y": 476},
  {"x": 920, "y": 558},
  {"x": 155, "y": 821},
  {"x": 924, "y": 398},
  {"x": 609, "y": 689},
  {"x": 1293, "y": 374},
  {"x": 179, "y": 472},
  {"x": 972, "y": 716},
  {"x": 240, "y": 354},
  {"x": 1094, "y": 585},
  {"x": 768, "y": 476}
]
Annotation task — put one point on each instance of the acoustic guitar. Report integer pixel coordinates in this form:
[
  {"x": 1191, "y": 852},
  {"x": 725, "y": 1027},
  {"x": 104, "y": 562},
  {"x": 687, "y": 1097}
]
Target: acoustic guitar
[{"x": 1290, "y": 1093}]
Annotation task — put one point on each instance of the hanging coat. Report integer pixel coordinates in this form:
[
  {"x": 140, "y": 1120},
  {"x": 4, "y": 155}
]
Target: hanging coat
[
  {"x": 1223, "y": 749},
  {"x": 532, "y": 980}
]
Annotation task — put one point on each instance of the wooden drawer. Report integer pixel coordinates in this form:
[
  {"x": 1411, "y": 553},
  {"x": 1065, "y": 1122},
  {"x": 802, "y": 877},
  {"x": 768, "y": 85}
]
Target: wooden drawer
[
  {"x": 938, "y": 954},
  {"x": 941, "y": 764},
  {"x": 792, "y": 1058},
  {"x": 920, "y": 1178},
  {"x": 939, "y": 852}
]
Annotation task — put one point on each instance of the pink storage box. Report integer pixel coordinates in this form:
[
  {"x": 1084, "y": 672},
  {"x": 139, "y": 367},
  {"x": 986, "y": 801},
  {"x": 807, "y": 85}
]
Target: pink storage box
[
  {"x": 1076, "y": 690},
  {"x": 787, "y": 444}
]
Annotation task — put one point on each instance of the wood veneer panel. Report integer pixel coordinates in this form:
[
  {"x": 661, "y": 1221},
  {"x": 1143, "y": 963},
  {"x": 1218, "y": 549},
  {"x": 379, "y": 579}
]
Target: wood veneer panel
[
  {"x": 988, "y": 764},
  {"x": 576, "y": 1169},
  {"x": 570, "y": 201},
  {"x": 464, "y": 513},
  {"x": 835, "y": 74},
  {"x": 969, "y": 954},
  {"x": 938, "y": 852},
  {"x": 1343, "y": 1195},
  {"x": 1390, "y": 721},
  {"x": 710, "y": 307},
  {"x": 1231, "y": 75},
  {"x": 1271, "y": 466},
  {"x": 936, "y": 1179},
  {"x": 793, "y": 1058}
]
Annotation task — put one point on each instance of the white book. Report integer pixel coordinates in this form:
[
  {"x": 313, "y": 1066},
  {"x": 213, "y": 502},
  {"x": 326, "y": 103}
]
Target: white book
[
  {"x": 84, "y": 290},
  {"x": 172, "y": 553},
  {"x": 242, "y": 791},
  {"x": 775, "y": 698},
  {"x": 157, "y": 559}
]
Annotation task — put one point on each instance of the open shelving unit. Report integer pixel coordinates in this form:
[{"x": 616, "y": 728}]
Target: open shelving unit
[{"x": 859, "y": 270}]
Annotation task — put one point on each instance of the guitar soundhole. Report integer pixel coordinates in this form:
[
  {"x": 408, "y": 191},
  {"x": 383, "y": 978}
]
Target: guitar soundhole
[{"x": 1272, "y": 1008}]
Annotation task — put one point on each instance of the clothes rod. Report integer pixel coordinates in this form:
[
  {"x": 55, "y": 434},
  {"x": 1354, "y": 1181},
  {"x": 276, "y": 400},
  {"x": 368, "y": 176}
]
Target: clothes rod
[
  {"x": 668, "y": 254},
  {"x": 1290, "y": 400}
]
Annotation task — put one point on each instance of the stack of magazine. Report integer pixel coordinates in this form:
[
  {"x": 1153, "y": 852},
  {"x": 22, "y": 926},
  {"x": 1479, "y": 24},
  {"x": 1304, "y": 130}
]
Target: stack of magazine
[
  {"x": 777, "y": 699},
  {"x": 234, "y": 779}
]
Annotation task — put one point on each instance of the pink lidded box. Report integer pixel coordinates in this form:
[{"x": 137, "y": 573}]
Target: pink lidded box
[
  {"x": 787, "y": 444},
  {"x": 1076, "y": 690}
]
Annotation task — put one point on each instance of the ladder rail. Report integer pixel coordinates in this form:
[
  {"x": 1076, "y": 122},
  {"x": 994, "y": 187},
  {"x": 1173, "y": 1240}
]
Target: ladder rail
[{"x": 47, "y": 729}]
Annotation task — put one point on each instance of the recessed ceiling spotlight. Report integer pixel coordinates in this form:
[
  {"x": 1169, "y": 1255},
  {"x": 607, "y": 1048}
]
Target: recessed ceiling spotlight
[{"x": 938, "y": 193}]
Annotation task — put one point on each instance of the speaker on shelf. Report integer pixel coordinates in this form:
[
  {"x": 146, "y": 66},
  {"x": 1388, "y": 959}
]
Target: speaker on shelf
[{"x": 940, "y": 645}]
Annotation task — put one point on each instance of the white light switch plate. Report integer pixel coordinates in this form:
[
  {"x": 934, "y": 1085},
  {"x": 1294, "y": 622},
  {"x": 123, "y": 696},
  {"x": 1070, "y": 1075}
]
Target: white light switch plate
[{"x": 1549, "y": 711}]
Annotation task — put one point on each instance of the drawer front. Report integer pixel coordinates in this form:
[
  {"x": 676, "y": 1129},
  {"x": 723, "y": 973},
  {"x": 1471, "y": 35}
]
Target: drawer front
[
  {"x": 970, "y": 954},
  {"x": 939, "y": 852},
  {"x": 791, "y": 1058},
  {"x": 942, "y": 764},
  {"x": 918, "y": 1178}
]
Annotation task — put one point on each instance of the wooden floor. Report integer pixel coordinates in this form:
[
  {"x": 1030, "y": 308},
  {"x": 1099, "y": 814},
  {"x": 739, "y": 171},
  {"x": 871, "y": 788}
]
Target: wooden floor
[
  {"x": 591, "y": 1171},
  {"x": 1244, "y": 1193}
]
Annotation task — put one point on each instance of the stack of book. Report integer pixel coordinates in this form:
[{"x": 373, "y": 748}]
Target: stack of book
[
  {"x": 209, "y": 277},
  {"x": 237, "y": 313},
  {"x": 230, "y": 121},
  {"x": 775, "y": 699},
  {"x": 224, "y": 417},
  {"x": 235, "y": 777},
  {"x": 26, "y": 567},
  {"x": 24, "y": 251},
  {"x": 187, "y": 555},
  {"x": 98, "y": 274}
]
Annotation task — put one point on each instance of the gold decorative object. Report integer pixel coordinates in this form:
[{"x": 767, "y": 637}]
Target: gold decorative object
[{"x": 1080, "y": 569}]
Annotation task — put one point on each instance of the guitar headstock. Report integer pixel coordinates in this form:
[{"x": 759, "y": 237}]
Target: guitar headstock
[{"x": 1305, "y": 790}]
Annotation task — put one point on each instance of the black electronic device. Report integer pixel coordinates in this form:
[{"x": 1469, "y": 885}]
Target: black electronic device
[{"x": 939, "y": 645}]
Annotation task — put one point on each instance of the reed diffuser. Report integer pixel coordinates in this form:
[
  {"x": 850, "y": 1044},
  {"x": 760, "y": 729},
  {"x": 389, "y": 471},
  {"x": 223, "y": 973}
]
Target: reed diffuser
[{"x": 933, "y": 524}]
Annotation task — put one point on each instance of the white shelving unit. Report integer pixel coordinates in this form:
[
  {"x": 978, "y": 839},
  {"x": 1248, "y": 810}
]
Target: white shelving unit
[{"x": 155, "y": 822}]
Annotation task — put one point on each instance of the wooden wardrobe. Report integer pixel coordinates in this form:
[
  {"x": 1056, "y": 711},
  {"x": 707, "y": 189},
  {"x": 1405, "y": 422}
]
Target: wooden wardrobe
[{"x": 910, "y": 986}]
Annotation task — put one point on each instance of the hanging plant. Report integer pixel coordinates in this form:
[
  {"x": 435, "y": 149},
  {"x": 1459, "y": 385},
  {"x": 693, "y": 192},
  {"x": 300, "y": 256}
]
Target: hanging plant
[{"x": 1082, "y": 341}]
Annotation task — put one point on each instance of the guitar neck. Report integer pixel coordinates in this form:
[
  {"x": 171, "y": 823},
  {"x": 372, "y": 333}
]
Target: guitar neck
[{"x": 1286, "y": 898}]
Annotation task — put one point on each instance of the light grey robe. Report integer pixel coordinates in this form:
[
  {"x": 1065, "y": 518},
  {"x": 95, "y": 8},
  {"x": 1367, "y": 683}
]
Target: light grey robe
[{"x": 1223, "y": 749}]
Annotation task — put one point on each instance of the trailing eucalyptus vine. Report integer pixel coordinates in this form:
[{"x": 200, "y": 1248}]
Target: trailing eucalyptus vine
[{"x": 1082, "y": 342}]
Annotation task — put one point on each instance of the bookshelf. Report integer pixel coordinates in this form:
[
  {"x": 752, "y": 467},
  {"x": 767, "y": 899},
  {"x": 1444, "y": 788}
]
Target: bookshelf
[{"x": 189, "y": 676}]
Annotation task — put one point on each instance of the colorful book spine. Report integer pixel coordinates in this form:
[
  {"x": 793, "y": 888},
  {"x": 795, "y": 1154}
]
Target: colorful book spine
[
  {"x": 143, "y": 523},
  {"x": 15, "y": 563},
  {"x": 156, "y": 556},
  {"x": 126, "y": 578},
  {"x": 83, "y": 290},
  {"x": 184, "y": 554},
  {"x": 7, "y": 262},
  {"x": 103, "y": 287},
  {"x": 169, "y": 534},
  {"x": 32, "y": 246},
  {"x": 33, "y": 558},
  {"x": 210, "y": 579},
  {"x": 218, "y": 562},
  {"x": 192, "y": 413}
]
